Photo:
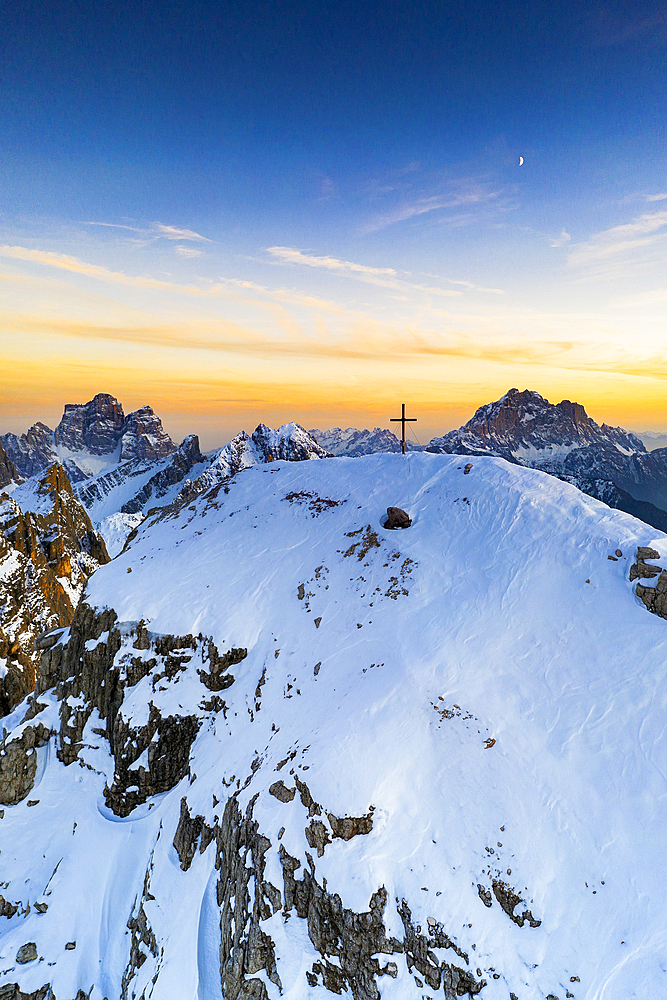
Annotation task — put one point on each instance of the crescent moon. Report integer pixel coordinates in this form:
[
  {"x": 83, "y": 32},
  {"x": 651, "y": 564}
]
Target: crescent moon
[{"x": 521, "y": 161}]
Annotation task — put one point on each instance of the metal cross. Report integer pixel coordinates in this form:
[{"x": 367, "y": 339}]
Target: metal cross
[{"x": 403, "y": 420}]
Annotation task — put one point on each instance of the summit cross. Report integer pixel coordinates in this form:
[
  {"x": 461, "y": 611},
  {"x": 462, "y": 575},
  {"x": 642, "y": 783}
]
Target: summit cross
[{"x": 403, "y": 420}]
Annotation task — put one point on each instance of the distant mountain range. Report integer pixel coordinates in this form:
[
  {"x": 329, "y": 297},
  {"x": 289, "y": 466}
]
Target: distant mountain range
[{"x": 89, "y": 437}]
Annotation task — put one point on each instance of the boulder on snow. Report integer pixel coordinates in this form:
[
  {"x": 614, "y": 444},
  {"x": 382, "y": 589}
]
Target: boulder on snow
[{"x": 397, "y": 518}]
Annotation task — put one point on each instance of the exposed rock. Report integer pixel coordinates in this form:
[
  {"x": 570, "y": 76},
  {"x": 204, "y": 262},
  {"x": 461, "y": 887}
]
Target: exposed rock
[
  {"x": 509, "y": 899},
  {"x": 654, "y": 597},
  {"x": 484, "y": 894},
  {"x": 18, "y": 763},
  {"x": 419, "y": 954},
  {"x": 144, "y": 437},
  {"x": 354, "y": 939},
  {"x": 397, "y": 518},
  {"x": 317, "y": 836},
  {"x": 8, "y": 471},
  {"x": 12, "y": 991},
  {"x": 216, "y": 678},
  {"x": 188, "y": 833},
  {"x": 245, "y": 948},
  {"x": 45, "y": 559},
  {"x": 282, "y": 792},
  {"x": 168, "y": 742},
  {"x": 351, "y": 826},
  {"x": 94, "y": 427},
  {"x": 186, "y": 456},
  {"x": 26, "y": 953},
  {"x": 642, "y": 570},
  {"x": 31, "y": 452}
]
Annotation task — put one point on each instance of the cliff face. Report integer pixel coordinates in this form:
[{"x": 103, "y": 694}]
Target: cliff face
[
  {"x": 8, "y": 471},
  {"x": 87, "y": 433},
  {"x": 46, "y": 556}
]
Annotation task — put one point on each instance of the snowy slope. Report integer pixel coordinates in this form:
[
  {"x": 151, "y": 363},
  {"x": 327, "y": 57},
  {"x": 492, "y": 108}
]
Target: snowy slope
[{"x": 486, "y": 680}]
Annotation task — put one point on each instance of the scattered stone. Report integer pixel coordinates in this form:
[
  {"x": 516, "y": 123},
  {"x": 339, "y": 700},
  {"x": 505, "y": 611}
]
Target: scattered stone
[
  {"x": 26, "y": 953},
  {"x": 33, "y": 802},
  {"x": 41, "y": 907},
  {"x": 397, "y": 518},
  {"x": 317, "y": 621},
  {"x": 618, "y": 553},
  {"x": 484, "y": 894},
  {"x": 640, "y": 569},
  {"x": 70, "y": 946},
  {"x": 467, "y": 469}
]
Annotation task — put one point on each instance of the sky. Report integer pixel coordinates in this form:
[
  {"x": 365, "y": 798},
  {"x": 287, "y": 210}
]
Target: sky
[{"x": 316, "y": 211}]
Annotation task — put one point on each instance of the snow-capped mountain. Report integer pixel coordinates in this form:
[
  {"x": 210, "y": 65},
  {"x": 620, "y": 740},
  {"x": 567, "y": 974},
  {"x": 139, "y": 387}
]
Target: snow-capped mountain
[
  {"x": 290, "y": 443},
  {"x": 284, "y": 751},
  {"x": 117, "y": 499},
  {"x": 90, "y": 437},
  {"x": 353, "y": 442},
  {"x": 561, "y": 439},
  {"x": 48, "y": 549}
]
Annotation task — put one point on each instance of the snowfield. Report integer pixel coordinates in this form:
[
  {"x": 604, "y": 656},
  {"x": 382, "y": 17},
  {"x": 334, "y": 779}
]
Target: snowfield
[{"x": 484, "y": 687}]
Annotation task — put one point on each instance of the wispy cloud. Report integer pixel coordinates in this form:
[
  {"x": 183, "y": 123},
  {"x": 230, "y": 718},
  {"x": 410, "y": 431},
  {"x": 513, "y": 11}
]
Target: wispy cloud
[
  {"x": 189, "y": 252},
  {"x": 385, "y": 277},
  {"x": 291, "y": 256},
  {"x": 456, "y": 194},
  {"x": 472, "y": 287},
  {"x": 156, "y": 230},
  {"x": 620, "y": 244},
  {"x": 561, "y": 240},
  {"x": 656, "y": 197},
  {"x": 172, "y": 233}
]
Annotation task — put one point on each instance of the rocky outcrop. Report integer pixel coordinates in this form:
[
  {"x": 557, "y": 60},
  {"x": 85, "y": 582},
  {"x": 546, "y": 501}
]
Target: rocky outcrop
[
  {"x": 18, "y": 763},
  {"x": 92, "y": 671},
  {"x": 653, "y": 596},
  {"x": 45, "y": 559},
  {"x": 397, "y": 518},
  {"x": 8, "y": 471}
]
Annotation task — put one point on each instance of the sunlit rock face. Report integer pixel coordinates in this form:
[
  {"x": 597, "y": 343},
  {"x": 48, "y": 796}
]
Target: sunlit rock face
[
  {"x": 89, "y": 437},
  {"x": 561, "y": 439},
  {"x": 48, "y": 549}
]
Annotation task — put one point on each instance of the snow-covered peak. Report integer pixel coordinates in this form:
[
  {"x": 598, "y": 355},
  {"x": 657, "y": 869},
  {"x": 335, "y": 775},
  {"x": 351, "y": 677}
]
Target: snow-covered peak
[{"x": 305, "y": 756}]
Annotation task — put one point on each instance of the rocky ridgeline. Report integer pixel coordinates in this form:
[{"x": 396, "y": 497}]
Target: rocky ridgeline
[
  {"x": 45, "y": 559},
  {"x": 353, "y": 442},
  {"x": 8, "y": 471},
  {"x": 96, "y": 428}
]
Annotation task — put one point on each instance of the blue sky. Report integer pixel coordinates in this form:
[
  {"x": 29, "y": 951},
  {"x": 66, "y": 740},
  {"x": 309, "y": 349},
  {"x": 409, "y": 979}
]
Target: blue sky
[{"x": 336, "y": 188}]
